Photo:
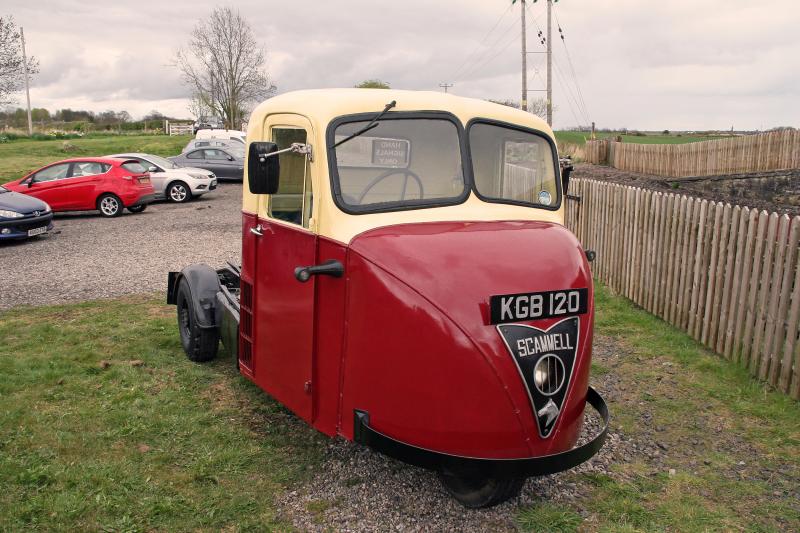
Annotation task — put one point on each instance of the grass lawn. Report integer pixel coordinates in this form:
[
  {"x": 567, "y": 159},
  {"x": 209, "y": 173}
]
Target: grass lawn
[
  {"x": 19, "y": 157},
  {"x": 733, "y": 445},
  {"x": 579, "y": 137},
  {"x": 105, "y": 425}
]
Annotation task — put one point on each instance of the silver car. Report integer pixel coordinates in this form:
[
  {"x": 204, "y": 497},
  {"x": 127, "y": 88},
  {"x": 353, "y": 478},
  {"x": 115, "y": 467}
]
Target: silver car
[
  {"x": 174, "y": 182},
  {"x": 213, "y": 143},
  {"x": 224, "y": 162}
]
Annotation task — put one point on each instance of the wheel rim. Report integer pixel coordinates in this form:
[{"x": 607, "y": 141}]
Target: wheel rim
[
  {"x": 109, "y": 206},
  {"x": 183, "y": 319},
  {"x": 177, "y": 193}
]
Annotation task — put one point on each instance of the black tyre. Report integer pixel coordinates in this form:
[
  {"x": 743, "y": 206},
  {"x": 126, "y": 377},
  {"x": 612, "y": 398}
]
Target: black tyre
[
  {"x": 178, "y": 192},
  {"x": 137, "y": 208},
  {"x": 200, "y": 344},
  {"x": 109, "y": 205},
  {"x": 475, "y": 491}
]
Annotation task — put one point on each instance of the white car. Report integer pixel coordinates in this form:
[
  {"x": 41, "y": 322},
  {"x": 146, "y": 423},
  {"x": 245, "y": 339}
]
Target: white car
[
  {"x": 173, "y": 182},
  {"x": 224, "y": 135}
]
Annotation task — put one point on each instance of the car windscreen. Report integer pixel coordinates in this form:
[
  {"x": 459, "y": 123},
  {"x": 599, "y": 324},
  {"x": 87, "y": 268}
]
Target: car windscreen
[
  {"x": 160, "y": 161},
  {"x": 397, "y": 164},
  {"x": 513, "y": 166}
]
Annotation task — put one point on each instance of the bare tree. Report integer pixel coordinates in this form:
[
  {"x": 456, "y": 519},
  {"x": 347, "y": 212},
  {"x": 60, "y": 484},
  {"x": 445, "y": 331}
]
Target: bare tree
[
  {"x": 538, "y": 106},
  {"x": 198, "y": 107},
  {"x": 224, "y": 65},
  {"x": 12, "y": 67}
]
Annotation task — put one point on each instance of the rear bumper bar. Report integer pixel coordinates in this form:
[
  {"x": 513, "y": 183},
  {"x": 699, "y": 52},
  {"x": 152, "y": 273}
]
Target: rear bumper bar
[{"x": 499, "y": 468}]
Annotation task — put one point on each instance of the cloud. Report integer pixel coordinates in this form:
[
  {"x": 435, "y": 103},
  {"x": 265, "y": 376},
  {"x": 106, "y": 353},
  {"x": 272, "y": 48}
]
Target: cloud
[{"x": 652, "y": 65}]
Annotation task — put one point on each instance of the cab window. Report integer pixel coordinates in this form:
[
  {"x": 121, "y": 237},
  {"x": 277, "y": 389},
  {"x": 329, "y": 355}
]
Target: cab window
[
  {"x": 293, "y": 201},
  {"x": 55, "y": 172},
  {"x": 513, "y": 166},
  {"x": 398, "y": 164}
]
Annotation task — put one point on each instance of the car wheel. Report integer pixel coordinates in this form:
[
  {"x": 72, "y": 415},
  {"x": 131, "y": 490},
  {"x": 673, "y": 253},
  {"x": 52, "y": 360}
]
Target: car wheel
[
  {"x": 178, "y": 192},
  {"x": 475, "y": 491},
  {"x": 109, "y": 205},
  {"x": 199, "y": 344},
  {"x": 137, "y": 208}
]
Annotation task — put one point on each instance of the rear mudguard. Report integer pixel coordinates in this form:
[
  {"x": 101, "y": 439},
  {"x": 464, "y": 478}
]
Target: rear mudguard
[{"x": 203, "y": 286}]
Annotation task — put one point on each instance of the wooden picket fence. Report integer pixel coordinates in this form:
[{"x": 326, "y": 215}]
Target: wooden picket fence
[
  {"x": 728, "y": 275},
  {"x": 776, "y": 150}
]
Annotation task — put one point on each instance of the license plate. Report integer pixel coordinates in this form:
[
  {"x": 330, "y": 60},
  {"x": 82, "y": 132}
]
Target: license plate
[
  {"x": 535, "y": 305},
  {"x": 37, "y": 231},
  {"x": 144, "y": 180}
]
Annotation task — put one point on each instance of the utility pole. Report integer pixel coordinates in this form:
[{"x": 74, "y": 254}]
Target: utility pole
[
  {"x": 524, "y": 101},
  {"x": 27, "y": 82},
  {"x": 549, "y": 63},
  {"x": 445, "y": 86}
]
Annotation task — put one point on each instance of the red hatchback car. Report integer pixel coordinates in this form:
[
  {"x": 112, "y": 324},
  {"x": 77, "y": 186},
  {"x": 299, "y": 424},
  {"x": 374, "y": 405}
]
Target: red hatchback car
[{"x": 106, "y": 184}]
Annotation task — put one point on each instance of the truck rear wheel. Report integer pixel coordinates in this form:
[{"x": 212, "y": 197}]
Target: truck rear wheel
[
  {"x": 200, "y": 344},
  {"x": 475, "y": 491}
]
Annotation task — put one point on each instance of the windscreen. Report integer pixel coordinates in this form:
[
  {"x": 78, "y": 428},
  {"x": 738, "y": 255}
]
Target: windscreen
[
  {"x": 510, "y": 165},
  {"x": 399, "y": 162}
]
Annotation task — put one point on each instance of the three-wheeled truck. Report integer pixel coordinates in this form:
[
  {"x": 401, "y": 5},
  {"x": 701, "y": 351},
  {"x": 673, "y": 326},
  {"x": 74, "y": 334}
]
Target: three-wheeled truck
[{"x": 407, "y": 283}]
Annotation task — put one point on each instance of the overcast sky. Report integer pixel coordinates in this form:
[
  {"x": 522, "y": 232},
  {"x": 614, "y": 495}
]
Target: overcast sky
[{"x": 647, "y": 64}]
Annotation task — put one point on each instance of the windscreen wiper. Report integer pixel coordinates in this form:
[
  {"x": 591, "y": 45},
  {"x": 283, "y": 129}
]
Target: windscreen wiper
[{"x": 372, "y": 124}]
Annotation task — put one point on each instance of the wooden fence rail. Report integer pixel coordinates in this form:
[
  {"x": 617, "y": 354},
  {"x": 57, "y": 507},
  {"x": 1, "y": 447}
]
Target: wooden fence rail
[
  {"x": 728, "y": 275},
  {"x": 776, "y": 150}
]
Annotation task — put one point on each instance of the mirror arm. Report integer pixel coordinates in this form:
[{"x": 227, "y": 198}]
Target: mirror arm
[{"x": 298, "y": 148}]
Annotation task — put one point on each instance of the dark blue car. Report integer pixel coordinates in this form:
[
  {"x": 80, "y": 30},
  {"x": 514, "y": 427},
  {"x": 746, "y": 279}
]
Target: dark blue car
[{"x": 23, "y": 216}]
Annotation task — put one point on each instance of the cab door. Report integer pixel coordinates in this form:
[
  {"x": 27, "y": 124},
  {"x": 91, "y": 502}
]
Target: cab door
[{"x": 284, "y": 310}]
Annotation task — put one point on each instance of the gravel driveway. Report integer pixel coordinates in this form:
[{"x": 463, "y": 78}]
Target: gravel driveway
[{"x": 88, "y": 257}]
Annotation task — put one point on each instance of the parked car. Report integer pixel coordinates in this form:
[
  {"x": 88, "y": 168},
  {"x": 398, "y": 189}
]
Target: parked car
[
  {"x": 85, "y": 184},
  {"x": 173, "y": 182},
  {"x": 224, "y": 162},
  {"x": 22, "y": 216},
  {"x": 207, "y": 123},
  {"x": 235, "y": 146},
  {"x": 226, "y": 135}
]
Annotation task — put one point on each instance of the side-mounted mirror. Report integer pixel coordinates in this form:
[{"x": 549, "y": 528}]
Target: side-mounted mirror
[
  {"x": 566, "y": 169},
  {"x": 263, "y": 168},
  {"x": 152, "y": 168}
]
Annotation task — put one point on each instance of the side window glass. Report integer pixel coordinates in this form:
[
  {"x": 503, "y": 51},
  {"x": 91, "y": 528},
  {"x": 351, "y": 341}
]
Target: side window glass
[
  {"x": 87, "y": 168},
  {"x": 293, "y": 201},
  {"x": 197, "y": 154},
  {"x": 55, "y": 172},
  {"x": 217, "y": 155}
]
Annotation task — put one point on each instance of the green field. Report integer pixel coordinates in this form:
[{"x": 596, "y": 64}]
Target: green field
[
  {"x": 19, "y": 157},
  {"x": 579, "y": 137},
  {"x": 105, "y": 425}
]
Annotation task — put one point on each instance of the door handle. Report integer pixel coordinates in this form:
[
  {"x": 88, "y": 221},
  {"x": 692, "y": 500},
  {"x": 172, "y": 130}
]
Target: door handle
[
  {"x": 257, "y": 230},
  {"x": 332, "y": 267}
]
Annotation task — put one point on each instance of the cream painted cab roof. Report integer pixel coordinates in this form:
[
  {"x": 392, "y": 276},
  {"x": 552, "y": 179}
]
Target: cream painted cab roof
[{"x": 323, "y": 105}]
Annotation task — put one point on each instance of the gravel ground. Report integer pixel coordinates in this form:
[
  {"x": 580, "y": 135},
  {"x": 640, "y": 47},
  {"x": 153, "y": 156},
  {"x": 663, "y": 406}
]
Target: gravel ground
[
  {"x": 358, "y": 490},
  {"x": 88, "y": 256}
]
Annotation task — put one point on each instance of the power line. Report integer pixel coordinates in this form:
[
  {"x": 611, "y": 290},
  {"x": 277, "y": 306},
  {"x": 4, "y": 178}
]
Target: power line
[
  {"x": 445, "y": 86},
  {"x": 480, "y": 43},
  {"x": 477, "y": 66},
  {"x": 572, "y": 67}
]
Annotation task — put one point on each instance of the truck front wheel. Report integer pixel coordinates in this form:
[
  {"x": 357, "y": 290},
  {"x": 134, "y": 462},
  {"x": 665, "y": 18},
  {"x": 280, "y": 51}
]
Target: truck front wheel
[
  {"x": 200, "y": 344},
  {"x": 474, "y": 491}
]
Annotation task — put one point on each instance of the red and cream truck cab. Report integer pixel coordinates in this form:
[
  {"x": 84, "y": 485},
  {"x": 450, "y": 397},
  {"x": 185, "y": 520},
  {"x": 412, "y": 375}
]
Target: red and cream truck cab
[{"x": 407, "y": 283}]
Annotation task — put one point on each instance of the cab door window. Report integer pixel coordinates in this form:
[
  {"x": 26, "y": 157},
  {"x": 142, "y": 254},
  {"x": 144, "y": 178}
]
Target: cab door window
[{"x": 294, "y": 201}]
